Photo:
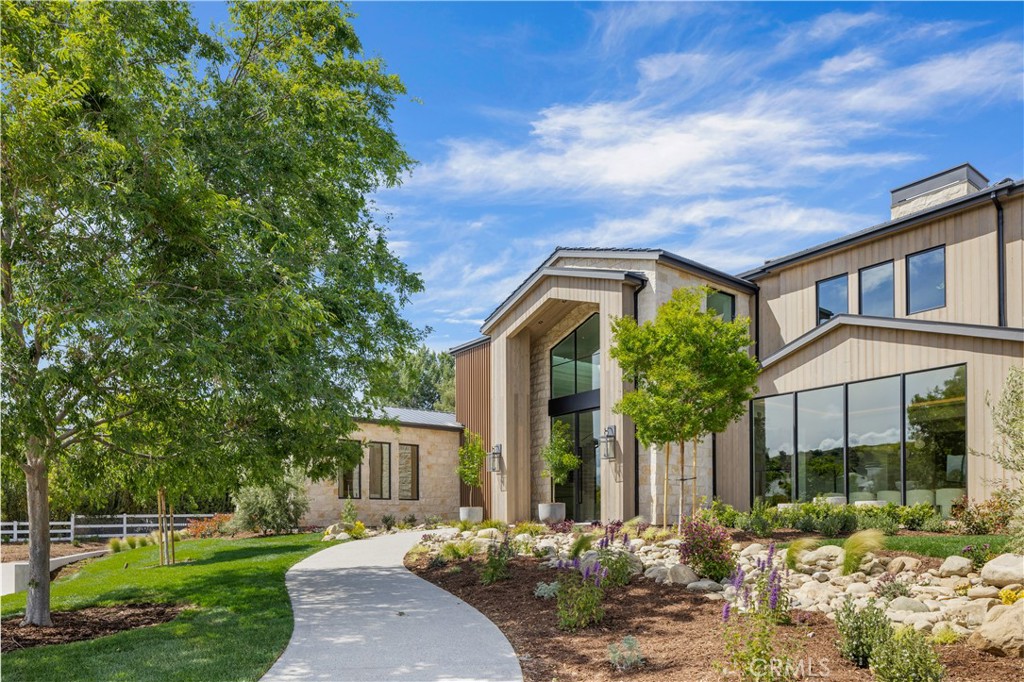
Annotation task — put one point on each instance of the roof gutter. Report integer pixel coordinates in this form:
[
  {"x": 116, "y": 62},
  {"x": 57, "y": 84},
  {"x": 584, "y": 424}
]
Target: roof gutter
[{"x": 1000, "y": 258}]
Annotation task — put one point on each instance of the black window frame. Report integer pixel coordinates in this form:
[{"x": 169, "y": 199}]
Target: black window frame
[
  {"x": 817, "y": 298},
  {"x": 732, "y": 298},
  {"x": 573, "y": 362},
  {"x": 369, "y": 491},
  {"x": 945, "y": 279},
  {"x": 416, "y": 449},
  {"x": 357, "y": 484},
  {"x": 860, "y": 285}
]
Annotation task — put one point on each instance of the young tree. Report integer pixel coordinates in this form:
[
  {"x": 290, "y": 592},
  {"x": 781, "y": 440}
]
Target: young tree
[
  {"x": 472, "y": 456},
  {"x": 425, "y": 380},
  {"x": 188, "y": 252},
  {"x": 559, "y": 455},
  {"x": 692, "y": 370}
]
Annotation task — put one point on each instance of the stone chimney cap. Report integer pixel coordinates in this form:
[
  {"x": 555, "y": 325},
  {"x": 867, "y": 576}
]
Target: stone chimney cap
[{"x": 965, "y": 172}]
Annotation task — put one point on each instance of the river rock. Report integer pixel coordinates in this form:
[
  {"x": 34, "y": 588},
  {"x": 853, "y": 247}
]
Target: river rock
[
  {"x": 955, "y": 566},
  {"x": 907, "y": 604},
  {"x": 983, "y": 592},
  {"x": 858, "y": 589},
  {"x": 752, "y": 549},
  {"x": 658, "y": 574},
  {"x": 1004, "y": 570},
  {"x": 701, "y": 586},
  {"x": 1002, "y": 636},
  {"x": 681, "y": 574},
  {"x": 488, "y": 533},
  {"x": 972, "y": 613}
]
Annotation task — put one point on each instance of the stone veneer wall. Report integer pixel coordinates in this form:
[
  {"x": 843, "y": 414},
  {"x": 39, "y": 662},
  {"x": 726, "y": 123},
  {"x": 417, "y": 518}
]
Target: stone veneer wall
[
  {"x": 540, "y": 393},
  {"x": 438, "y": 470},
  {"x": 651, "y": 477}
]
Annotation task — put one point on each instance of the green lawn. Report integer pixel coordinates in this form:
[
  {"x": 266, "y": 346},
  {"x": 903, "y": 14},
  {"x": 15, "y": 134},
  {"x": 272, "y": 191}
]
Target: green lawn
[
  {"x": 242, "y": 623},
  {"x": 940, "y": 546}
]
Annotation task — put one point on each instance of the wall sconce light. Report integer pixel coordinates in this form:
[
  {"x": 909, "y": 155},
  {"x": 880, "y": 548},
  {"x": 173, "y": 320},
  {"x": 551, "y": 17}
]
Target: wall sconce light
[
  {"x": 494, "y": 459},
  {"x": 608, "y": 443}
]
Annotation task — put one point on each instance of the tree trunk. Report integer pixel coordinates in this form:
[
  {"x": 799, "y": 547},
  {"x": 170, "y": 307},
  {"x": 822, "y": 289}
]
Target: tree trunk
[
  {"x": 693, "y": 505},
  {"x": 682, "y": 484},
  {"x": 37, "y": 604},
  {"x": 664, "y": 494},
  {"x": 172, "y": 534}
]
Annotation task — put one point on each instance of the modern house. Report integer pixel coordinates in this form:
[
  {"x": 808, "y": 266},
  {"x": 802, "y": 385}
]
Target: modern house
[
  {"x": 409, "y": 467},
  {"x": 879, "y": 351}
]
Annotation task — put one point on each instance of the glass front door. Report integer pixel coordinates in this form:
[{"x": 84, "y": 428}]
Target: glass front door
[{"x": 581, "y": 494}]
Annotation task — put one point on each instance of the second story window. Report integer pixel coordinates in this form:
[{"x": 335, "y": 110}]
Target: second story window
[
  {"x": 833, "y": 298},
  {"x": 877, "y": 292},
  {"x": 926, "y": 280},
  {"x": 576, "y": 360},
  {"x": 722, "y": 303}
]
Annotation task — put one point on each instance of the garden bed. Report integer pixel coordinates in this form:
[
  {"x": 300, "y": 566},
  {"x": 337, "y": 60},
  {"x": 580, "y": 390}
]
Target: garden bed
[
  {"x": 18, "y": 551},
  {"x": 679, "y": 633},
  {"x": 88, "y": 623}
]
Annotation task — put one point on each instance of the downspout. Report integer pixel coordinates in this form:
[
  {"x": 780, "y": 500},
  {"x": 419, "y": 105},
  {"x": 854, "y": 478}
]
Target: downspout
[
  {"x": 1000, "y": 259},
  {"x": 636, "y": 443}
]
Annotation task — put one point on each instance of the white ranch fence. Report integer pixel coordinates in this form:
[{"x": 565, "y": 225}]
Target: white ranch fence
[{"x": 80, "y": 526}]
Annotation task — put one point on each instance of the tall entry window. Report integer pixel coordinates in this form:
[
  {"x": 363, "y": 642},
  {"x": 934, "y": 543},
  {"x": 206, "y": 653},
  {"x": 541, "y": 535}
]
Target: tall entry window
[
  {"x": 576, "y": 360},
  {"x": 582, "y": 492},
  {"x": 899, "y": 439}
]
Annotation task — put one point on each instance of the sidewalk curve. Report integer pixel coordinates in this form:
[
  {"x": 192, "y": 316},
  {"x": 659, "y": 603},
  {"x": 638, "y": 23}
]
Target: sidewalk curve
[{"x": 361, "y": 615}]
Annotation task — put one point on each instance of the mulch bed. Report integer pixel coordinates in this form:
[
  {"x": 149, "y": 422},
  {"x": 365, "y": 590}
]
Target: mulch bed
[
  {"x": 88, "y": 623},
  {"x": 18, "y": 551},
  {"x": 679, "y": 633}
]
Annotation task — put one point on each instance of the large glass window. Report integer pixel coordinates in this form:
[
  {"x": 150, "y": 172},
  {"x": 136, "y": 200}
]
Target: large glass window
[
  {"x": 877, "y": 291},
  {"x": 773, "y": 448},
  {"x": 722, "y": 303},
  {"x": 833, "y": 298},
  {"x": 905, "y": 440},
  {"x": 936, "y": 414},
  {"x": 408, "y": 472},
  {"x": 926, "y": 280},
  {"x": 379, "y": 463},
  {"x": 576, "y": 360},
  {"x": 349, "y": 479},
  {"x": 819, "y": 459},
  {"x": 874, "y": 440}
]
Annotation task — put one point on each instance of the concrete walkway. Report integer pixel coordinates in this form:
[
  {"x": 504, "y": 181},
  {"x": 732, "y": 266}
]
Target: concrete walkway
[{"x": 361, "y": 615}]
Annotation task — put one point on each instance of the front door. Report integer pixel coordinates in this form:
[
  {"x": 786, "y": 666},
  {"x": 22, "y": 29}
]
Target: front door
[{"x": 582, "y": 492}]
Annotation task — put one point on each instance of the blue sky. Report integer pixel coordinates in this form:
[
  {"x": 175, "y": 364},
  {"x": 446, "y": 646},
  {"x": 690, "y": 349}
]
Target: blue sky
[{"x": 728, "y": 132}]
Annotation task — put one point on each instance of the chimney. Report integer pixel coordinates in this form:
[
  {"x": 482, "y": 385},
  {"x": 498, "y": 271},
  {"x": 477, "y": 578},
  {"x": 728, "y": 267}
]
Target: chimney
[{"x": 936, "y": 189}]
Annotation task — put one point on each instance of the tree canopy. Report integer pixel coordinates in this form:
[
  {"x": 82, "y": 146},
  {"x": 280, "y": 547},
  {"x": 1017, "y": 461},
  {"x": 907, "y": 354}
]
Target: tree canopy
[
  {"x": 193, "y": 282},
  {"x": 424, "y": 380}
]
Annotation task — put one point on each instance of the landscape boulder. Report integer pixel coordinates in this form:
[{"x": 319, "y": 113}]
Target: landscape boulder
[
  {"x": 907, "y": 604},
  {"x": 1003, "y": 635},
  {"x": 489, "y": 533},
  {"x": 955, "y": 566},
  {"x": 1005, "y": 569},
  {"x": 704, "y": 586},
  {"x": 681, "y": 574}
]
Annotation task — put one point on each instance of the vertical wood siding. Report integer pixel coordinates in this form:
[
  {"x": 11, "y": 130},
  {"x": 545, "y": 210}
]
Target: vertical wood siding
[{"x": 473, "y": 409}]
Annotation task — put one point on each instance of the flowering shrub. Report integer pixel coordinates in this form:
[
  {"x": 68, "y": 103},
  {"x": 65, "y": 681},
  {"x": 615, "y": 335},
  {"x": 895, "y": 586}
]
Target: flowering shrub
[
  {"x": 890, "y": 587},
  {"x": 357, "y": 531},
  {"x": 565, "y": 526},
  {"x": 706, "y": 548},
  {"x": 579, "y": 595},
  {"x": 991, "y": 516},
  {"x": 495, "y": 567},
  {"x": 1009, "y": 596},
  {"x": 207, "y": 528},
  {"x": 750, "y": 628},
  {"x": 978, "y": 554},
  {"x": 907, "y": 655}
]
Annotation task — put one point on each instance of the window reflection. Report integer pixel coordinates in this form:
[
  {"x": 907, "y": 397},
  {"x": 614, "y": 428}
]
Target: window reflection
[
  {"x": 833, "y": 298},
  {"x": 877, "y": 295},
  {"x": 874, "y": 440},
  {"x": 926, "y": 280},
  {"x": 722, "y": 303},
  {"x": 773, "y": 448},
  {"x": 936, "y": 414},
  {"x": 820, "y": 442}
]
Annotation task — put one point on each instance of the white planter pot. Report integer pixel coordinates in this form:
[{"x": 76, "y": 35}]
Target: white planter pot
[
  {"x": 471, "y": 514},
  {"x": 551, "y": 512}
]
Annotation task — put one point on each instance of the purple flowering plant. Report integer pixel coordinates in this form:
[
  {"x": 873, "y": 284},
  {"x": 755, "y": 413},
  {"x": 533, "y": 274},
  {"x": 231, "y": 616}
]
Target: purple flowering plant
[
  {"x": 768, "y": 597},
  {"x": 706, "y": 548}
]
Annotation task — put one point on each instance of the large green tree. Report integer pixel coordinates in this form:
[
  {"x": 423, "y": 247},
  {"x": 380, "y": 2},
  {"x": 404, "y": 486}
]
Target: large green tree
[
  {"x": 693, "y": 373},
  {"x": 425, "y": 380},
  {"x": 192, "y": 277}
]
